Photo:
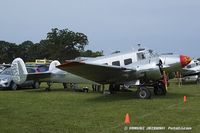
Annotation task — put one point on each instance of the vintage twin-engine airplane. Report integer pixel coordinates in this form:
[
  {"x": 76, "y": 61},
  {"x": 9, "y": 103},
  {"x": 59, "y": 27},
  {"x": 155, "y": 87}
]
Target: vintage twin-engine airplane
[{"x": 141, "y": 67}]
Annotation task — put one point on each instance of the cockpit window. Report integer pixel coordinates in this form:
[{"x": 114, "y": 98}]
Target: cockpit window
[
  {"x": 192, "y": 65},
  {"x": 189, "y": 66},
  {"x": 151, "y": 53}
]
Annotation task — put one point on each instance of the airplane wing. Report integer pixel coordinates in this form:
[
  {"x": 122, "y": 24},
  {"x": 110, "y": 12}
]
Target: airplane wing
[{"x": 98, "y": 73}]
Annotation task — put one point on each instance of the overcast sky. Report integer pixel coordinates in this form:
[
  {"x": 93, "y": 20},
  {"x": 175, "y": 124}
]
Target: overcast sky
[{"x": 162, "y": 25}]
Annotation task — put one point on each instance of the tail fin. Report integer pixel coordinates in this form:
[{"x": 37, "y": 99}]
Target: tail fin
[
  {"x": 53, "y": 65},
  {"x": 19, "y": 71}
]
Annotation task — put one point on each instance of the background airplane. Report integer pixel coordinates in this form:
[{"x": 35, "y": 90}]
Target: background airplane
[{"x": 191, "y": 72}]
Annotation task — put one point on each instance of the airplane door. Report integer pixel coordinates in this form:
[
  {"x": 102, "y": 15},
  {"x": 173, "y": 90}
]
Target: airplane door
[{"x": 140, "y": 56}]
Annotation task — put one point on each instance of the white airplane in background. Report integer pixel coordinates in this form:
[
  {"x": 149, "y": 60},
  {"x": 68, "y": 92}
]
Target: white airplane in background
[
  {"x": 141, "y": 67},
  {"x": 53, "y": 75},
  {"x": 192, "y": 72}
]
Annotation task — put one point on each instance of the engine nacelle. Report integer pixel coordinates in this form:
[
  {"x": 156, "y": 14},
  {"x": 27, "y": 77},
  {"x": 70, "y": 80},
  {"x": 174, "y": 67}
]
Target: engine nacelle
[
  {"x": 153, "y": 74},
  {"x": 149, "y": 69}
]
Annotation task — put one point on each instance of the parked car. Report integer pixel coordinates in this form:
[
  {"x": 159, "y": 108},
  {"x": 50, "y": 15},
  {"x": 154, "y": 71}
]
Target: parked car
[
  {"x": 2, "y": 67},
  {"x": 7, "y": 82}
]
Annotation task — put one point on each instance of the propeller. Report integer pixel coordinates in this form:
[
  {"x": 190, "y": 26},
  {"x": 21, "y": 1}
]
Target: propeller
[
  {"x": 160, "y": 63},
  {"x": 164, "y": 75}
]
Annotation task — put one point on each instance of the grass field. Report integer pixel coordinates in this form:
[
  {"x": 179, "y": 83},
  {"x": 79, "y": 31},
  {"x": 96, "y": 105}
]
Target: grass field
[{"x": 37, "y": 111}]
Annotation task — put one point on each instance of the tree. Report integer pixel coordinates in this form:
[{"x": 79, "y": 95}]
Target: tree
[
  {"x": 24, "y": 50},
  {"x": 90, "y": 53},
  {"x": 65, "y": 44},
  {"x": 8, "y": 51},
  {"x": 59, "y": 44}
]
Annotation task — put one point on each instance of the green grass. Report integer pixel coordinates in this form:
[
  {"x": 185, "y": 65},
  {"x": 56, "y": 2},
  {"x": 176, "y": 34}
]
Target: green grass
[{"x": 37, "y": 111}]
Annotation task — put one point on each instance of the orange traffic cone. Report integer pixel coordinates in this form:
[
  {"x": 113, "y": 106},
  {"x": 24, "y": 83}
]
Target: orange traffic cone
[
  {"x": 184, "y": 99},
  {"x": 127, "y": 119}
]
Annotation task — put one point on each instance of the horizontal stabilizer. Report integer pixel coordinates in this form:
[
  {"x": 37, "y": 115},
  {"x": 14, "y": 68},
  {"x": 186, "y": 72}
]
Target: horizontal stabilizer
[{"x": 20, "y": 74}]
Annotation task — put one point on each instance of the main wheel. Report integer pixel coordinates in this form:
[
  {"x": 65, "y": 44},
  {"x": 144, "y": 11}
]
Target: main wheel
[
  {"x": 111, "y": 88},
  {"x": 160, "y": 89},
  {"x": 13, "y": 86},
  {"x": 36, "y": 85},
  {"x": 143, "y": 93},
  {"x": 65, "y": 85},
  {"x": 198, "y": 80},
  {"x": 117, "y": 87}
]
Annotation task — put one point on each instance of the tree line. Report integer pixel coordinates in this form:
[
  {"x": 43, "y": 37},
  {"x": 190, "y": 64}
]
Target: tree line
[{"x": 58, "y": 45}]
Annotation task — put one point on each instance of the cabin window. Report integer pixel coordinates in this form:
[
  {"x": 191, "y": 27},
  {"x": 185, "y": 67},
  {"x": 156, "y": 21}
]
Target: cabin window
[
  {"x": 189, "y": 66},
  {"x": 192, "y": 65},
  {"x": 127, "y": 61},
  {"x": 116, "y": 63},
  {"x": 105, "y": 63}
]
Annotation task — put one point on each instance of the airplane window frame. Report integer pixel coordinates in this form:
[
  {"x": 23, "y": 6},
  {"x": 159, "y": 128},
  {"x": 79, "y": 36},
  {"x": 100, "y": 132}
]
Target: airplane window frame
[
  {"x": 189, "y": 66},
  {"x": 128, "y": 61},
  {"x": 116, "y": 63}
]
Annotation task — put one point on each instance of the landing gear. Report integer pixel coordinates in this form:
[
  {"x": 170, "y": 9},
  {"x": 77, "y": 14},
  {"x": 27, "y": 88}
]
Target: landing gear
[
  {"x": 113, "y": 88},
  {"x": 144, "y": 90},
  {"x": 160, "y": 89},
  {"x": 143, "y": 93},
  {"x": 65, "y": 85},
  {"x": 198, "y": 79},
  {"x": 49, "y": 86},
  {"x": 13, "y": 86},
  {"x": 36, "y": 85}
]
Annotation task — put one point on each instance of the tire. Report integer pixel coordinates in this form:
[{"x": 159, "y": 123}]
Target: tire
[
  {"x": 36, "y": 85},
  {"x": 143, "y": 93},
  {"x": 198, "y": 81},
  {"x": 160, "y": 89},
  {"x": 13, "y": 86},
  {"x": 111, "y": 89},
  {"x": 116, "y": 87},
  {"x": 65, "y": 85}
]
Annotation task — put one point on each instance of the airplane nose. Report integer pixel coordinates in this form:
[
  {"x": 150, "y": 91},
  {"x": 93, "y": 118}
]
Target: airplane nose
[{"x": 185, "y": 60}]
